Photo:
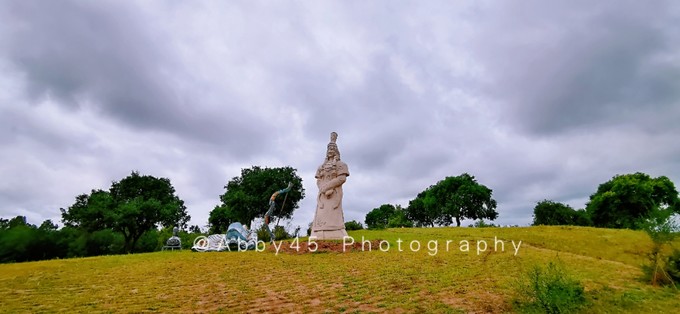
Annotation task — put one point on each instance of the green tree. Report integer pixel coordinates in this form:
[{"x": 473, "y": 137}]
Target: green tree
[
  {"x": 17, "y": 241},
  {"x": 457, "y": 198},
  {"x": 353, "y": 225},
  {"x": 582, "y": 218},
  {"x": 132, "y": 206},
  {"x": 247, "y": 196},
  {"x": 21, "y": 241},
  {"x": 422, "y": 210},
  {"x": 220, "y": 218},
  {"x": 195, "y": 229},
  {"x": 379, "y": 217},
  {"x": 399, "y": 219},
  {"x": 547, "y": 212},
  {"x": 626, "y": 201},
  {"x": 19, "y": 221}
]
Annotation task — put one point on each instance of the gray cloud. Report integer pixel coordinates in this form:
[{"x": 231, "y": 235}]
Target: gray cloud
[
  {"x": 112, "y": 58},
  {"x": 586, "y": 65}
]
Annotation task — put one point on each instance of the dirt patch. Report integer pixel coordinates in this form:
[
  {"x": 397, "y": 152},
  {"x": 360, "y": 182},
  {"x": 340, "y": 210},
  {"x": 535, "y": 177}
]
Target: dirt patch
[
  {"x": 304, "y": 247},
  {"x": 476, "y": 302}
]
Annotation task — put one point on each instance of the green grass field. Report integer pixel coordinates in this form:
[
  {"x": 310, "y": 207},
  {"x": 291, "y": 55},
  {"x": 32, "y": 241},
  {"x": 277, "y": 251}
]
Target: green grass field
[{"x": 605, "y": 261}]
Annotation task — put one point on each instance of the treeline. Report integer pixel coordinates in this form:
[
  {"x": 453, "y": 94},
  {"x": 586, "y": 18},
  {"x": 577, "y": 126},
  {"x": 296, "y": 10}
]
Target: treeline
[
  {"x": 447, "y": 202},
  {"x": 21, "y": 241},
  {"x": 627, "y": 201},
  {"x": 138, "y": 213}
]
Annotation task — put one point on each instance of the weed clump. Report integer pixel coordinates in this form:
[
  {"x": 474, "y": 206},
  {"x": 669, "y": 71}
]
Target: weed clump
[
  {"x": 279, "y": 232},
  {"x": 662, "y": 269},
  {"x": 549, "y": 290},
  {"x": 673, "y": 266}
]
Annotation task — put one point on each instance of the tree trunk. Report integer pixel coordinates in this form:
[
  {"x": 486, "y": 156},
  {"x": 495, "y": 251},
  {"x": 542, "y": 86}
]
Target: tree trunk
[
  {"x": 457, "y": 221},
  {"x": 134, "y": 242},
  {"x": 127, "y": 247}
]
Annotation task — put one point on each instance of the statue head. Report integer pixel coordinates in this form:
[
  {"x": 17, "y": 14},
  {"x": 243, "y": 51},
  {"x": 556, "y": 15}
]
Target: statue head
[{"x": 332, "y": 150}]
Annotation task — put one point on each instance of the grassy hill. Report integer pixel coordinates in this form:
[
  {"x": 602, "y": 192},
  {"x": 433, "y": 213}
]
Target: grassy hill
[{"x": 605, "y": 261}]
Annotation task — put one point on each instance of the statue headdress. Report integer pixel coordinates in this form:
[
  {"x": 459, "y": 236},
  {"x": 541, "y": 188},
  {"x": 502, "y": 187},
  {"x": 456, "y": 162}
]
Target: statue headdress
[{"x": 334, "y": 137}]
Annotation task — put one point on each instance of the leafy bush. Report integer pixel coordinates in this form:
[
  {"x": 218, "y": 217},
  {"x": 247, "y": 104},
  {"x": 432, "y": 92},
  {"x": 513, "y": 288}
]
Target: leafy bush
[
  {"x": 399, "y": 220},
  {"x": 280, "y": 233},
  {"x": 663, "y": 230},
  {"x": 483, "y": 224},
  {"x": 387, "y": 216},
  {"x": 148, "y": 242},
  {"x": 353, "y": 225},
  {"x": 550, "y": 290},
  {"x": 263, "y": 234},
  {"x": 379, "y": 217},
  {"x": 673, "y": 266},
  {"x": 547, "y": 212},
  {"x": 106, "y": 242}
]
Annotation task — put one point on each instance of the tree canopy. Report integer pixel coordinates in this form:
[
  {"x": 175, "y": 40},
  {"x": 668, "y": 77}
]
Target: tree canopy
[
  {"x": 353, "y": 225},
  {"x": 453, "y": 199},
  {"x": 247, "y": 196},
  {"x": 547, "y": 212},
  {"x": 626, "y": 201},
  {"x": 132, "y": 206},
  {"x": 422, "y": 210},
  {"x": 399, "y": 219},
  {"x": 379, "y": 217}
]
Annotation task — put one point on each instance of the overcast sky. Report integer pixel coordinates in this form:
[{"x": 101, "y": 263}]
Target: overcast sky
[{"x": 537, "y": 100}]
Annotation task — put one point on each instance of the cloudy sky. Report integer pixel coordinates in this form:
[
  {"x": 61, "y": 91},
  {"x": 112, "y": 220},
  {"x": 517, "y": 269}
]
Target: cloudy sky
[{"x": 537, "y": 100}]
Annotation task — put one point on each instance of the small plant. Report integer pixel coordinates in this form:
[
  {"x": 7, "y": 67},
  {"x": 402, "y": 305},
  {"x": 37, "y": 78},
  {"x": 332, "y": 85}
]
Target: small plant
[
  {"x": 550, "y": 290},
  {"x": 280, "y": 233},
  {"x": 263, "y": 234},
  {"x": 673, "y": 266},
  {"x": 661, "y": 269}
]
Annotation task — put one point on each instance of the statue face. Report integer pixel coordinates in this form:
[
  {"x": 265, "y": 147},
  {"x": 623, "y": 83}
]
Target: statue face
[{"x": 331, "y": 153}]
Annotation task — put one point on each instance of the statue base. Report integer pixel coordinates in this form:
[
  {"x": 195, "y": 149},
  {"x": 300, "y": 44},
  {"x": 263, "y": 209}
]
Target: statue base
[{"x": 329, "y": 234}]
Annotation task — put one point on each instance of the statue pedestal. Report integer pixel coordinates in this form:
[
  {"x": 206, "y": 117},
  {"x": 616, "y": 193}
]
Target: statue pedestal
[{"x": 329, "y": 234}]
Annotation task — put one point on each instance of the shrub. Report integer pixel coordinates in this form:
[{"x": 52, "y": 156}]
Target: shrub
[
  {"x": 280, "y": 233},
  {"x": 673, "y": 266},
  {"x": 353, "y": 225},
  {"x": 263, "y": 234},
  {"x": 663, "y": 230},
  {"x": 483, "y": 224},
  {"x": 399, "y": 220},
  {"x": 106, "y": 242},
  {"x": 550, "y": 290}
]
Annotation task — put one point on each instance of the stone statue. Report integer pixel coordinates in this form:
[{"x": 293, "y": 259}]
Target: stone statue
[{"x": 329, "y": 220}]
